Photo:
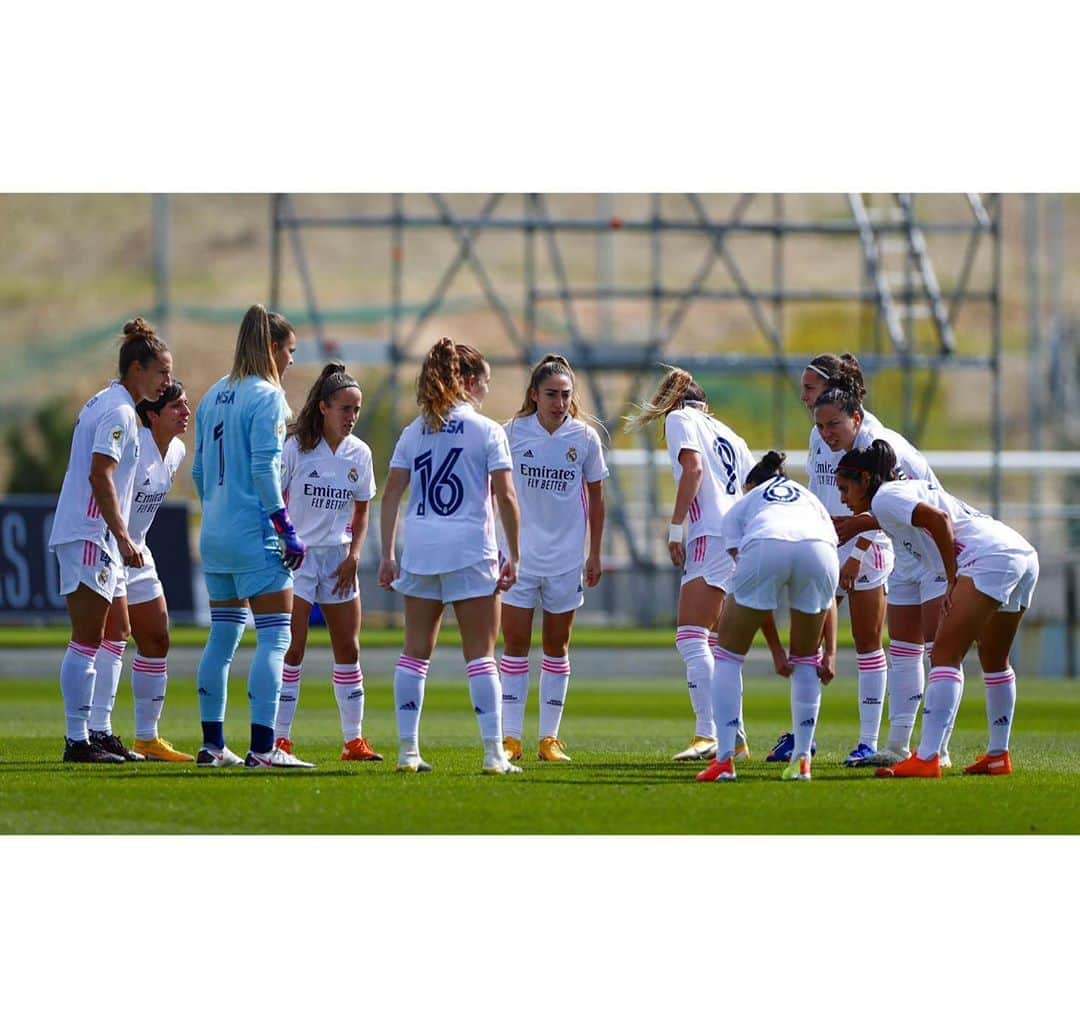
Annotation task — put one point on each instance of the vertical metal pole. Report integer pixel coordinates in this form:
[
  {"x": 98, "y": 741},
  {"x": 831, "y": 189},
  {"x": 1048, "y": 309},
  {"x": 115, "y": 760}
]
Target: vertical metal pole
[
  {"x": 1035, "y": 361},
  {"x": 780, "y": 383},
  {"x": 530, "y": 271},
  {"x": 275, "y": 250},
  {"x": 605, "y": 267},
  {"x": 997, "y": 421},
  {"x": 652, "y": 475},
  {"x": 397, "y": 260},
  {"x": 162, "y": 305},
  {"x": 909, "y": 330}
]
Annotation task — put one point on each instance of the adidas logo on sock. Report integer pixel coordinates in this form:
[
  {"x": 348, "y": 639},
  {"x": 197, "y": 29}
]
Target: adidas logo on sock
[
  {"x": 528, "y": 453},
  {"x": 203, "y": 692},
  {"x": 915, "y": 698},
  {"x": 1003, "y": 720},
  {"x": 410, "y": 705},
  {"x": 808, "y": 723},
  {"x": 477, "y": 710},
  {"x": 732, "y": 724}
]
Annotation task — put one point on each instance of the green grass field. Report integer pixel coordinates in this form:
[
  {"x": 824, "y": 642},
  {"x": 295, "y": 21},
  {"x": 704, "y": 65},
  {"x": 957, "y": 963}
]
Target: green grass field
[{"x": 620, "y": 734}]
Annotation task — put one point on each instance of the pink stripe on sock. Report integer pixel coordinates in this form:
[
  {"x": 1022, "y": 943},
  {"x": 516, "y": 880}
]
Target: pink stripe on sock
[
  {"x": 81, "y": 650},
  {"x": 1000, "y": 677},
  {"x": 419, "y": 667},
  {"x": 149, "y": 665},
  {"x": 691, "y": 632},
  {"x": 115, "y": 648},
  {"x": 514, "y": 665},
  {"x": 903, "y": 650},
  {"x": 945, "y": 673},
  {"x": 556, "y": 667},
  {"x": 290, "y": 675},
  {"x": 348, "y": 677},
  {"x": 486, "y": 668},
  {"x": 813, "y": 660},
  {"x": 726, "y": 655}
]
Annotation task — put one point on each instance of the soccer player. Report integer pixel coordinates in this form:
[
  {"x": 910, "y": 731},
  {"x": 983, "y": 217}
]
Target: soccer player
[
  {"x": 710, "y": 462},
  {"x": 991, "y": 572},
  {"x": 559, "y": 473},
  {"x": 90, "y": 535},
  {"x": 249, "y": 545},
  {"x": 452, "y": 459},
  {"x": 780, "y": 535},
  {"x": 328, "y": 481},
  {"x": 138, "y": 608}
]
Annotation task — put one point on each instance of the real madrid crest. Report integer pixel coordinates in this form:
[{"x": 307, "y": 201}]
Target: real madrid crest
[
  {"x": 103, "y": 576},
  {"x": 571, "y": 454},
  {"x": 353, "y": 474}
]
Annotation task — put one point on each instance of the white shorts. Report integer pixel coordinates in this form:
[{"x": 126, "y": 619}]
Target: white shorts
[
  {"x": 1008, "y": 576},
  {"x": 913, "y": 592},
  {"x": 874, "y": 569},
  {"x": 86, "y": 563},
  {"x": 706, "y": 558},
  {"x": 314, "y": 580},
  {"x": 810, "y": 569},
  {"x": 558, "y": 594},
  {"x": 478, "y": 579},
  {"x": 143, "y": 584}
]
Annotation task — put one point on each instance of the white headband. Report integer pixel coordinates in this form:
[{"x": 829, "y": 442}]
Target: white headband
[{"x": 817, "y": 370}]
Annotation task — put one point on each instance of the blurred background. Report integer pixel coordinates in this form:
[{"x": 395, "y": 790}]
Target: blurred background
[{"x": 961, "y": 307}]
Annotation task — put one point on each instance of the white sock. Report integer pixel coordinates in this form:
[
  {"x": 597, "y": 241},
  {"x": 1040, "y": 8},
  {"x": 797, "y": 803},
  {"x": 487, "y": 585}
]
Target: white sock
[
  {"x": 108, "y": 664},
  {"x": 726, "y": 699},
  {"x": 77, "y": 687},
  {"x": 349, "y": 693},
  {"x": 1000, "y": 705},
  {"x": 409, "y": 678},
  {"x": 287, "y": 700},
  {"x": 554, "y": 681},
  {"x": 805, "y": 701},
  {"x": 485, "y": 692},
  {"x": 872, "y": 674},
  {"x": 148, "y": 678},
  {"x": 906, "y": 681},
  {"x": 714, "y": 648},
  {"x": 514, "y": 675},
  {"x": 943, "y": 693},
  {"x": 692, "y": 642}
]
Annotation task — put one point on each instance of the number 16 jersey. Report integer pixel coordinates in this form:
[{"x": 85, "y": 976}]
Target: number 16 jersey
[{"x": 449, "y": 523}]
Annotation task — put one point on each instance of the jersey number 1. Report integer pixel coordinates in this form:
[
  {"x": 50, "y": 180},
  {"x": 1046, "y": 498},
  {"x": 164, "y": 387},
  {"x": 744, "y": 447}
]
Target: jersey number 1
[
  {"x": 219, "y": 436},
  {"x": 443, "y": 491}
]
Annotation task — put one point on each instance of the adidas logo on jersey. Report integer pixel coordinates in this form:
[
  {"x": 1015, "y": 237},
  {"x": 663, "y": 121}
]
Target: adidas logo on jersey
[
  {"x": 147, "y": 482},
  {"x": 314, "y": 474},
  {"x": 529, "y": 453}
]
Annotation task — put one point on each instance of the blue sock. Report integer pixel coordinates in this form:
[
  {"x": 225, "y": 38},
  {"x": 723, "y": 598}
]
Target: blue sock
[
  {"x": 262, "y": 738},
  {"x": 273, "y": 635},
  {"x": 226, "y": 628}
]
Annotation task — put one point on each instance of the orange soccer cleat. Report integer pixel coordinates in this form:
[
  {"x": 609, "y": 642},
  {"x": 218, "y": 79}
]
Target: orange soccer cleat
[
  {"x": 718, "y": 771},
  {"x": 512, "y": 747},
  {"x": 359, "y": 749},
  {"x": 991, "y": 764},
  {"x": 283, "y": 744},
  {"x": 913, "y": 767}
]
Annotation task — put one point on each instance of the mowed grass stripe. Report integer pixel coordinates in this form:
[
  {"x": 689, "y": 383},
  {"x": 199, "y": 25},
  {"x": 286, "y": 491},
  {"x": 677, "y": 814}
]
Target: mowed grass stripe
[{"x": 620, "y": 734}]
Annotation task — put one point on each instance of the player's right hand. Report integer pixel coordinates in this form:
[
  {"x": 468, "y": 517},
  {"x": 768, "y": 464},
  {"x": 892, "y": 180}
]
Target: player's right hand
[
  {"x": 293, "y": 546},
  {"x": 388, "y": 571},
  {"x": 826, "y": 670},
  {"x": 678, "y": 554},
  {"x": 130, "y": 554},
  {"x": 507, "y": 575}
]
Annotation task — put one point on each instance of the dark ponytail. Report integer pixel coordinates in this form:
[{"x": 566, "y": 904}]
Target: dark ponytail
[
  {"x": 877, "y": 460},
  {"x": 843, "y": 371},
  {"x": 771, "y": 465},
  {"x": 308, "y": 426},
  {"x": 140, "y": 344},
  {"x": 842, "y": 398}
]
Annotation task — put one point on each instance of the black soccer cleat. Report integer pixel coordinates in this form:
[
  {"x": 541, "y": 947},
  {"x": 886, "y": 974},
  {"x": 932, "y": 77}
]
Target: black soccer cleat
[
  {"x": 113, "y": 744},
  {"x": 79, "y": 751}
]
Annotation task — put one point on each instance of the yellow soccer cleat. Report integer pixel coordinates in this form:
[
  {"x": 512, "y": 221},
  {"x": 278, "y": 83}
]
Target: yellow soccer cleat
[
  {"x": 512, "y": 747},
  {"x": 742, "y": 748},
  {"x": 552, "y": 749},
  {"x": 161, "y": 749},
  {"x": 701, "y": 748},
  {"x": 798, "y": 770}
]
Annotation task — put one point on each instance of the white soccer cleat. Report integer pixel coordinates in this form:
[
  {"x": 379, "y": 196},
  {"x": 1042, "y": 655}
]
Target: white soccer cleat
[
  {"x": 224, "y": 757},
  {"x": 410, "y": 761},
  {"x": 701, "y": 748},
  {"x": 274, "y": 760},
  {"x": 886, "y": 757},
  {"x": 944, "y": 760},
  {"x": 495, "y": 761}
]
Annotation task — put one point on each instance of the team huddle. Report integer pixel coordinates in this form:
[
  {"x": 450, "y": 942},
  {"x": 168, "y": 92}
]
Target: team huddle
[{"x": 285, "y": 512}]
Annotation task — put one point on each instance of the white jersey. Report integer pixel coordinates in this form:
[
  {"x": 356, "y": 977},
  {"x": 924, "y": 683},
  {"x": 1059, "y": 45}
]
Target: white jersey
[
  {"x": 449, "y": 523},
  {"x": 153, "y": 479},
  {"x": 725, "y": 461},
  {"x": 976, "y": 534},
  {"x": 821, "y": 467},
  {"x": 108, "y": 425},
  {"x": 777, "y": 509},
  {"x": 322, "y": 486},
  {"x": 551, "y": 470}
]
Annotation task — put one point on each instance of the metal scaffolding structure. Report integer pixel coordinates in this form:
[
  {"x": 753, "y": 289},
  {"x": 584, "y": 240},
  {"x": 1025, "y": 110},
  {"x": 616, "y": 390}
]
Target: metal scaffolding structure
[{"x": 908, "y": 309}]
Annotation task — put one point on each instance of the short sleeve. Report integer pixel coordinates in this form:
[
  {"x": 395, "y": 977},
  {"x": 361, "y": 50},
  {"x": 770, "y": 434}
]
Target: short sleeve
[
  {"x": 595, "y": 467},
  {"x": 402, "y": 456},
  {"x": 113, "y": 433},
  {"x": 365, "y": 485},
  {"x": 498, "y": 449},
  {"x": 893, "y": 508},
  {"x": 678, "y": 435}
]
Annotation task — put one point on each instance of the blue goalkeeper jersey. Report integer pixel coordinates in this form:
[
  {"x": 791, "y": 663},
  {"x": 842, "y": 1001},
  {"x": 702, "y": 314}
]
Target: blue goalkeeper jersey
[{"x": 240, "y": 430}]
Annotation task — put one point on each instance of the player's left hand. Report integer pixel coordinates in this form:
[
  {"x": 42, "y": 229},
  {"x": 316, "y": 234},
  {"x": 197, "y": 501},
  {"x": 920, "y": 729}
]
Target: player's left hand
[
  {"x": 345, "y": 575},
  {"x": 388, "y": 571},
  {"x": 849, "y": 527},
  {"x": 827, "y": 668},
  {"x": 849, "y": 573},
  {"x": 781, "y": 665},
  {"x": 593, "y": 571},
  {"x": 507, "y": 575}
]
